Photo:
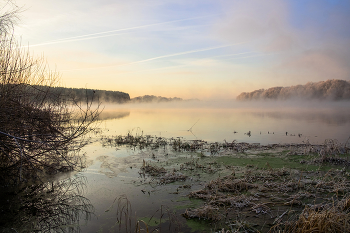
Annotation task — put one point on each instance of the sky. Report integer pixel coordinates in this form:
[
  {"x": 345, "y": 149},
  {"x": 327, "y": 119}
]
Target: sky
[{"x": 205, "y": 49}]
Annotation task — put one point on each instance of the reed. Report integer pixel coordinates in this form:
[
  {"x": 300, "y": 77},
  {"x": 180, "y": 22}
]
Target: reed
[{"x": 128, "y": 222}]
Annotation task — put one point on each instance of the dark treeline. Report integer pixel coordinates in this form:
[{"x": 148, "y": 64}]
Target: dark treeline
[
  {"x": 324, "y": 90},
  {"x": 80, "y": 94}
]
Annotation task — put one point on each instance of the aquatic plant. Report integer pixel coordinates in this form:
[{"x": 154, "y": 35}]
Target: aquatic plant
[{"x": 127, "y": 221}]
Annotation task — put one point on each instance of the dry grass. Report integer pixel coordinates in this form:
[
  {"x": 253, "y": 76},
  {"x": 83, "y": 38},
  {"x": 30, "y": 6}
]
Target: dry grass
[
  {"x": 206, "y": 212},
  {"x": 230, "y": 184},
  {"x": 152, "y": 170},
  {"x": 171, "y": 177},
  {"x": 332, "y": 218}
]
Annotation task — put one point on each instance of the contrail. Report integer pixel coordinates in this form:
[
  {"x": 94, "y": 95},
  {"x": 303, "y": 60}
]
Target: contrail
[
  {"x": 169, "y": 67},
  {"x": 256, "y": 55},
  {"x": 71, "y": 40},
  {"x": 182, "y": 53},
  {"x": 230, "y": 55},
  {"x": 102, "y": 34},
  {"x": 160, "y": 57}
]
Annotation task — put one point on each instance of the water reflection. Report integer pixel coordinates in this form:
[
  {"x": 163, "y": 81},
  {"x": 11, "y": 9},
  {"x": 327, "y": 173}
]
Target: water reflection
[
  {"x": 217, "y": 124},
  {"x": 334, "y": 117},
  {"x": 56, "y": 206},
  {"x": 108, "y": 114}
]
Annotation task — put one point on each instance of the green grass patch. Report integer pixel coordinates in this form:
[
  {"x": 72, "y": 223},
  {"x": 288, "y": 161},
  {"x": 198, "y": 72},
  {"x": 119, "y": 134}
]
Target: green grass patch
[
  {"x": 198, "y": 225},
  {"x": 285, "y": 152},
  {"x": 273, "y": 162},
  {"x": 187, "y": 203},
  {"x": 264, "y": 154}
]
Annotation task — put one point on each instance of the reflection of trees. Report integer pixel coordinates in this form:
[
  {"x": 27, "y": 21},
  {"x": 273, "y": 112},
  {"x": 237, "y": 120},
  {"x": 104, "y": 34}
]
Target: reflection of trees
[
  {"x": 334, "y": 117},
  {"x": 109, "y": 115},
  {"x": 46, "y": 207}
]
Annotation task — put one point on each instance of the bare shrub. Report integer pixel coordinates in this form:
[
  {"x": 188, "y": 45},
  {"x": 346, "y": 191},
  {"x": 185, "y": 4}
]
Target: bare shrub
[
  {"x": 45, "y": 207},
  {"x": 40, "y": 130}
]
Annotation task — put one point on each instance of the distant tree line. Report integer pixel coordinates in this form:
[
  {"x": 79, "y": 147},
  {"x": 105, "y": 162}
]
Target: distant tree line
[
  {"x": 153, "y": 99},
  {"x": 81, "y": 94},
  {"x": 324, "y": 90}
]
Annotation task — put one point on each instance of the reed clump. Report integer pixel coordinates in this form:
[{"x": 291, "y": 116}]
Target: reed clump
[
  {"x": 320, "y": 218},
  {"x": 171, "y": 177},
  {"x": 206, "y": 212},
  {"x": 128, "y": 222},
  {"x": 152, "y": 170}
]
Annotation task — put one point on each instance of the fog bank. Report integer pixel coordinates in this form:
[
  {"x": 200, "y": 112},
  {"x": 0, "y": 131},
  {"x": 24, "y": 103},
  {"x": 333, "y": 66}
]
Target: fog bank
[{"x": 333, "y": 90}]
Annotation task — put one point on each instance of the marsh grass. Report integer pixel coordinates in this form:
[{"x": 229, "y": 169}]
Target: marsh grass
[
  {"x": 329, "y": 217},
  {"x": 263, "y": 193},
  {"x": 270, "y": 185},
  {"x": 164, "y": 177},
  {"x": 128, "y": 222}
]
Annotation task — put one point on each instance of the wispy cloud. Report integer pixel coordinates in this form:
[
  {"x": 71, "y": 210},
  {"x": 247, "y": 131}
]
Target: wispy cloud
[
  {"x": 111, "y": 32},
  {"x": 161, "y": 57}
]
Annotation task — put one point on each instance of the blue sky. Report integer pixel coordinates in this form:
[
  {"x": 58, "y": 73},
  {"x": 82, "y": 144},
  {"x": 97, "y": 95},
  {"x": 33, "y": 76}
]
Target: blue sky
[{"x": 190, "y": 49}]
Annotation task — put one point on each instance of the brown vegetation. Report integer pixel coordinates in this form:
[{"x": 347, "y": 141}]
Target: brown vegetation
[{"x": 40, "y": 130}]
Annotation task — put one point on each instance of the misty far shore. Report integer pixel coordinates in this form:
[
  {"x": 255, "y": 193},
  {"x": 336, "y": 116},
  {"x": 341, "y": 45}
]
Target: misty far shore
[
  {"x": 95, "y": 95},
  {"x": 332, "y": 90}
]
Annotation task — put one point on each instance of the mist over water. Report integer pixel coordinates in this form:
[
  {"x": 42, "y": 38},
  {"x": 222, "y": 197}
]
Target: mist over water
[
  {"x": 324, "y": 90},
  {"x": 219, "y": 120},
  {"x": 114, "y": 169}
]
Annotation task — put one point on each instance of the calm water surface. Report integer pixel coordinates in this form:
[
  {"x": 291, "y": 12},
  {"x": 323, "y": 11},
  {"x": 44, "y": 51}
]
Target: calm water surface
[
  {"x": 267, "y": 125},
  {"x": 113, "y": 172}
]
